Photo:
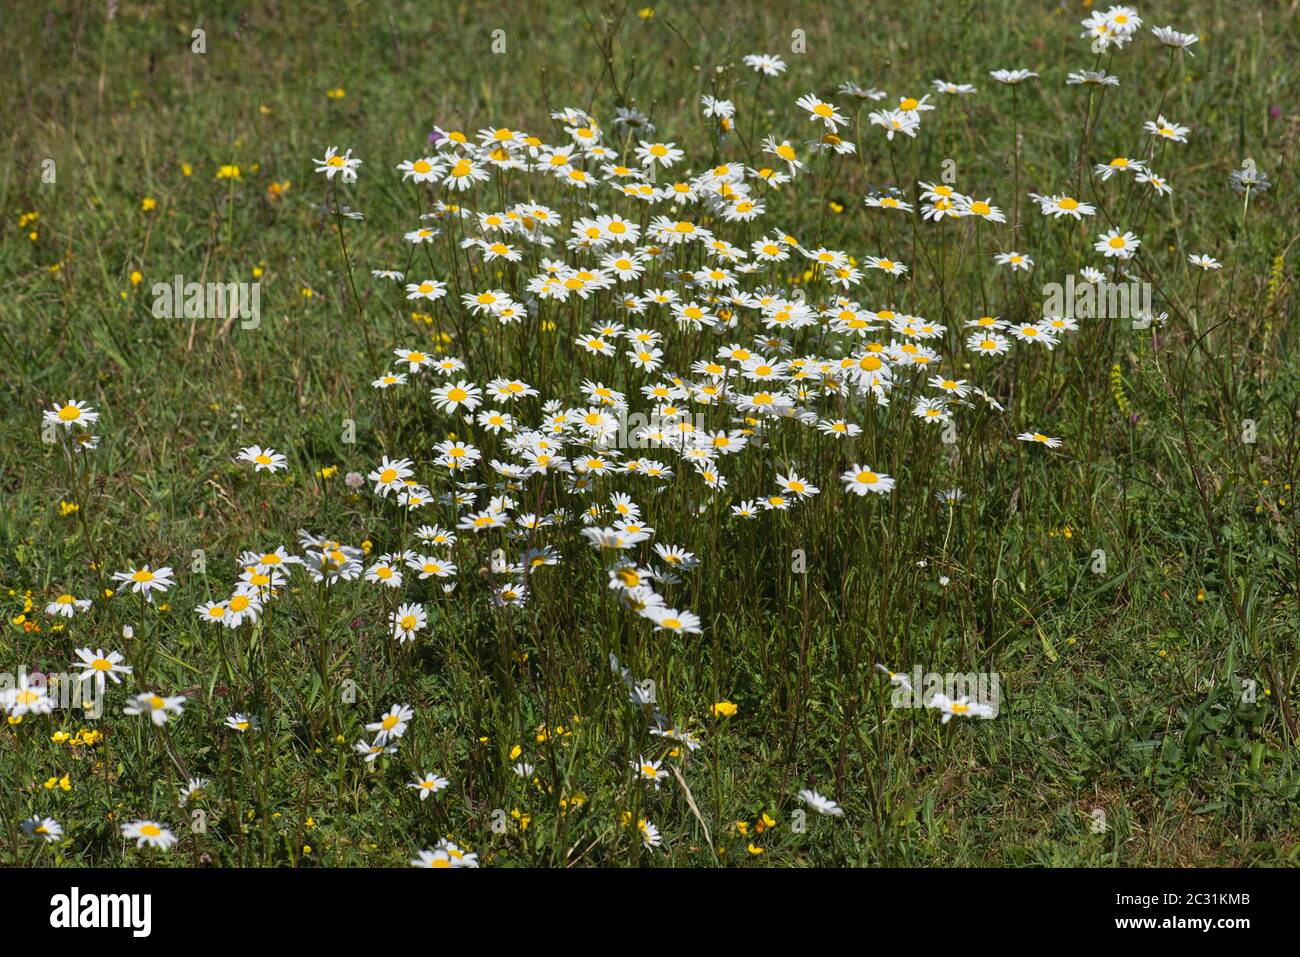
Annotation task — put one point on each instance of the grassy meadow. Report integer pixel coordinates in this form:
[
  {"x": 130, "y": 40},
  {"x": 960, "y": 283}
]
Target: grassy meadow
[{"x": 641, "y": 495}]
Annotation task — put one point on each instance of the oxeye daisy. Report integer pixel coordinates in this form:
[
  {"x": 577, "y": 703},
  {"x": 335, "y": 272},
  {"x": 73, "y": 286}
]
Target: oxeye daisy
[
  {"x": 241, "y": 722},
  {"x": 1039, "y": 438},
  {"x": 459, "y": 856},
  {"x": 820, "y": 804},
  {"x": 860, "y": 479},
  {"x": 1012, "y": 77},
  {"x": 1116, "y": 244},
  {"x": 1016, "y": 261},
  {"x": 373, "y": 751},
  {"x": 888, "y": 202},
  {"x": 1034, "y": 332},
  {"x": 409, "y": 618},
  {"x": 149, "y": 833},
  {"x": 764, "y": 63},
  {"x": 1091, "y": 78},
  {"x": 71, "y": 413},
  {"x": 895, "y": 121},
  {"x": 1155, "y": 181},
  {"x": 838, "y": 428},
  {"x": 944, "y": 86},
  {"x": 427, "y": 169},
  {"x": 1058, "y": 206},
  {"x": 263, "y": 460},
  {"x": 25, "y": 697},
  {"x": 884, "y": 264},
  {"x": 932, "y": 411},
  {"x": 670, "y": 619},
  {"x": 43, "y": 828},
  {"x": 240, "y": 607},
  {"x": 145, "y": 581},
  {"x": 661, "y": 154},
  {"x": 390, "y": 475},
  {"x": 797, "y": 486},
  {"x": 897, "y": 679},
  {"x": 428, "y": 784},
  {"x": 67, "y": 606},
  {"x": 335, "y": 162},
  {"x": 432, "y": 859},
  {"x": 212, "y": 611},
  {"x": 1171, "y": 38},
  {"x": 651, "y": 772},
  {"x": 1120, "y": 164},
  {"x": 821, "y": 110},
  {"x": 101, "y": 666},
  {"x": 384, "y": 572},
  {"x": 449, "y": 397},
  {"x": 954, "y": 387},
  {"x": 195, "y": 789},
  {"x": 676, "y": 556},
  {"x": 464, "y": 173},
  {"x": 959, "y": 707},
  {"x": 1167, "y": 129},
  {"x": 981, "y": 209},
  {"x": 392, "y": 724},
  {"x": 430, "y": 290},
  {"x": 156, "y": 707}
]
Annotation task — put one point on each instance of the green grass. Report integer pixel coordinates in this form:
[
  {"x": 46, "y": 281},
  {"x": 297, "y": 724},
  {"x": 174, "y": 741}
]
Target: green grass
[{"x": 1125, "y": 690}]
